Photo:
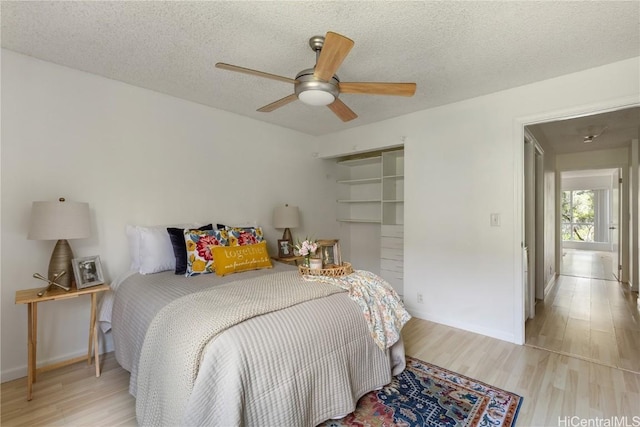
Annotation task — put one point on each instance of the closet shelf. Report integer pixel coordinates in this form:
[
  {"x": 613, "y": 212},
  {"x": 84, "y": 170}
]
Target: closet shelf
[
  {"x": 373, "y": 221},
  {"x": 363, "y": 161},
  {"x": 360, "y": 181}
]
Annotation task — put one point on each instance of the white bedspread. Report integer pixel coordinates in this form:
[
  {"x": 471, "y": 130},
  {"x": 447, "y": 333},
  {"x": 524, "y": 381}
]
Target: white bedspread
[
  {"x": 186, "y": 326},
  {"x": 296, "y": 366}
]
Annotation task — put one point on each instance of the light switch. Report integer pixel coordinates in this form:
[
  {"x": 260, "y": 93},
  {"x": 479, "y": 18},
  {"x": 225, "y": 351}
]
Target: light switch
[{"x": 495, "y": 219}]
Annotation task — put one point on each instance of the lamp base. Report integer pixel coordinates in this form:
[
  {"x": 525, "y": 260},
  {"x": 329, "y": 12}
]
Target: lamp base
[
  {"x": 287, "y": 235},
  {"x": 61, "y": 261}
]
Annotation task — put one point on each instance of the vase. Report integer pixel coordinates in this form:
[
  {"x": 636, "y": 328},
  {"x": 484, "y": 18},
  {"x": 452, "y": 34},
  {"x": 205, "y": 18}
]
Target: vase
[{"x": 315, "y": 263}]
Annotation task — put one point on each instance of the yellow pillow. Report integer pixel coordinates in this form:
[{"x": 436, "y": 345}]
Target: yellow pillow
[{"x": 234, "y": 259}]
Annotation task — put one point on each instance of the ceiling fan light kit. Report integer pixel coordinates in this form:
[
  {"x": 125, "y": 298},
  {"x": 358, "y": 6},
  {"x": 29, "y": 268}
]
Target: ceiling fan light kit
[
  {"x": 316, "y": 97},
  {"x": 313, "y": 91},
  {"x": 320, "y": 86}
]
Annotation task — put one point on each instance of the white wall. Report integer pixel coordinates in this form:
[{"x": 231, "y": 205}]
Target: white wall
[
  {"x": 597, "y": 159},
  {"x": 137, "y": 157},
  {"x": 463, "y": 161},
  {"x": 601, "y": 182}
]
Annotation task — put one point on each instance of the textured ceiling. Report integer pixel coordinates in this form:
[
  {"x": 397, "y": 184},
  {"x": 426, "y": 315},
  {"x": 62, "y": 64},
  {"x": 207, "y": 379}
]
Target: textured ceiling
[{"x": 452, "y": 50}]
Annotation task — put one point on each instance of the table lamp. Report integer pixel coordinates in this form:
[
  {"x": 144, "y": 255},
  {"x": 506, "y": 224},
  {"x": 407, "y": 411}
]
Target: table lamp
[
  {"x": 60, "y": 220},
  {"x": 286, "y": 217}
]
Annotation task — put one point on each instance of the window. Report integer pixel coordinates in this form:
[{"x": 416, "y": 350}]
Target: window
[{"x": 578, "y": 215}]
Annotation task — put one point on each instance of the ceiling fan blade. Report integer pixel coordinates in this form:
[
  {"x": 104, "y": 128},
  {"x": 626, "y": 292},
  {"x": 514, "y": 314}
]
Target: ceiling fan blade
[
  {"x": 279, "y": 103},
  {"x": 341, "y": 110},
  {"x": 395, "y": 89},
  {"x": 254, "y": 72},
  {"x": 334, "y": 50}
]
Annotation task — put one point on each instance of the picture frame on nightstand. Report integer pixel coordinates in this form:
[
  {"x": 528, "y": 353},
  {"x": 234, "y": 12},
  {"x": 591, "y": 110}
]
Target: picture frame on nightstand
[
  {"x": 87, "y": 271},
  {"x": 330, "y": 252},
  {"x": 285, "y": 248}
]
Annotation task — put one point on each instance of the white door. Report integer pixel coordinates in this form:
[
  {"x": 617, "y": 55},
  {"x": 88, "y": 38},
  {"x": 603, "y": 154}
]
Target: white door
[{"x": 614, "y": 224}]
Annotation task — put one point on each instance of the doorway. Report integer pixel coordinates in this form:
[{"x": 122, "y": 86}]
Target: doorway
[
  {"x": 589, "y": 216},
  {"x": 588, "y": 313},
  {"x": 584, "y": 311}
]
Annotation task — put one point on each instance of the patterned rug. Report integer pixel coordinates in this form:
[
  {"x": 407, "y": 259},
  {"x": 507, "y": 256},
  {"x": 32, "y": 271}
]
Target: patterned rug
[{"x": 427, "y": 395}]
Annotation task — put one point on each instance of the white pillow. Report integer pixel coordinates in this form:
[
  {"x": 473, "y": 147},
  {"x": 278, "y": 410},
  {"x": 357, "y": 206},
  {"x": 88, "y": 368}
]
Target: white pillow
[
  {"x": 133, "y": 237},
  {"x": 150, "y": 248}
]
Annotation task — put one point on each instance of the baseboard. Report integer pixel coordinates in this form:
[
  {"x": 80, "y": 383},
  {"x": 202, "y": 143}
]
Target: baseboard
[
  {"x": 21, "y": 371},
  {"x": 106, "y": 345},
  {"x": 550, "y": 284},
  {"x": 471, "y": 327},
  {"x": 13, "y": 374}
]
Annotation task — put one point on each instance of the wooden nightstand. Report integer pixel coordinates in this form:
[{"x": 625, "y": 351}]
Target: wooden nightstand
[
  {"x": 291, "y": 260},
  {"x": 31, "y": 298}
]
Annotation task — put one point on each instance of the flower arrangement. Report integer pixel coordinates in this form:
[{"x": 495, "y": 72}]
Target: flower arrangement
[{"x": 306, "y": 248}]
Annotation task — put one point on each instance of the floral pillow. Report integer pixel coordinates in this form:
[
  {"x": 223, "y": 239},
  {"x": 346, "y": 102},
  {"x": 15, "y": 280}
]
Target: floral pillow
[
  {"x": 200, "y": 246},
  {"x": 244, "y": 236}
]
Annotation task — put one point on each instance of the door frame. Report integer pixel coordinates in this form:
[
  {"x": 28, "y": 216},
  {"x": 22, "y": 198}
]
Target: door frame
[
  {"x": 529, "y": 241},
  {"x": 616, "y": 199},
  {"x": 519, "y": 124},
  {"x": 534, "y": 183},
  {"x": 540, "y": 222}
]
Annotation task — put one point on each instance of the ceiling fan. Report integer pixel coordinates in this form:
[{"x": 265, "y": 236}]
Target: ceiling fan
[
  {"x": 320, "y": 85},
  {"x": 592, "y": 135}
]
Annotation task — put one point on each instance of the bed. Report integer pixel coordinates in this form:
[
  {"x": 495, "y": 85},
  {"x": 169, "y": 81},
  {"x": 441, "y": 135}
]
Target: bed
[{"x": 298, "y": 354}]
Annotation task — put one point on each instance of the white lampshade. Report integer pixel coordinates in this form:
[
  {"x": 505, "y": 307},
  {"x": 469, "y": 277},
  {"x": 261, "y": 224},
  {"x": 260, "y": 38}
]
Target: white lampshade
[
  {"x": 59, "y": 220},
  {"x": 286, "y": 217}
]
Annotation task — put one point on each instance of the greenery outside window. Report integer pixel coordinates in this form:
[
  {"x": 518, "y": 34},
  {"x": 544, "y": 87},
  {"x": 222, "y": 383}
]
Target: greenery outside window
[{"x": 578, "y": 215}]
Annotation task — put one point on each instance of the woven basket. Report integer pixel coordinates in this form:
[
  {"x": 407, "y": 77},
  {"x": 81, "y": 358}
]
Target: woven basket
[{"x": 335, "y": 271}]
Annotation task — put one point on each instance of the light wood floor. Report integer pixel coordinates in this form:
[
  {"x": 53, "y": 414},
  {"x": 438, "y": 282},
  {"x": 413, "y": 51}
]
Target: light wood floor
[
  {"x": 71, "y": 396},
  {"x": 587, "y": 317},
  {"x": 591, "y": 264},
  {"x": 552, "y": 385}
]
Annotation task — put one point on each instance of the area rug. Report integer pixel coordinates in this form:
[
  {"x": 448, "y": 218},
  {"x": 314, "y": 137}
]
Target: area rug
[{"x": 427, "y": 395}]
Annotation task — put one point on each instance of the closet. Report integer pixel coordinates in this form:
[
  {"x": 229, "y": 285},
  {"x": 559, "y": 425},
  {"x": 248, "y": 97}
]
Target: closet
[{"x": 371, "y": 191}]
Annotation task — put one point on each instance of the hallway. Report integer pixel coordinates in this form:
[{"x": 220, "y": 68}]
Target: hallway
[
  {"x": 590, "y": 264},
  {"x": 589, "y": 318}
]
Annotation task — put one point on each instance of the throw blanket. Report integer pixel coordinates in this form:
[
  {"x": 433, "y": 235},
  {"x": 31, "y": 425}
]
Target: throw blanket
[
  {"x": 381, "y": 305},
  {"x": 186, "y": 326}
]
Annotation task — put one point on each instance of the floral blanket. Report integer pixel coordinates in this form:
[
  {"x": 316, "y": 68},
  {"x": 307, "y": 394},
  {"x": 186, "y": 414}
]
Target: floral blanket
[{"x": 382, "y": 308}]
